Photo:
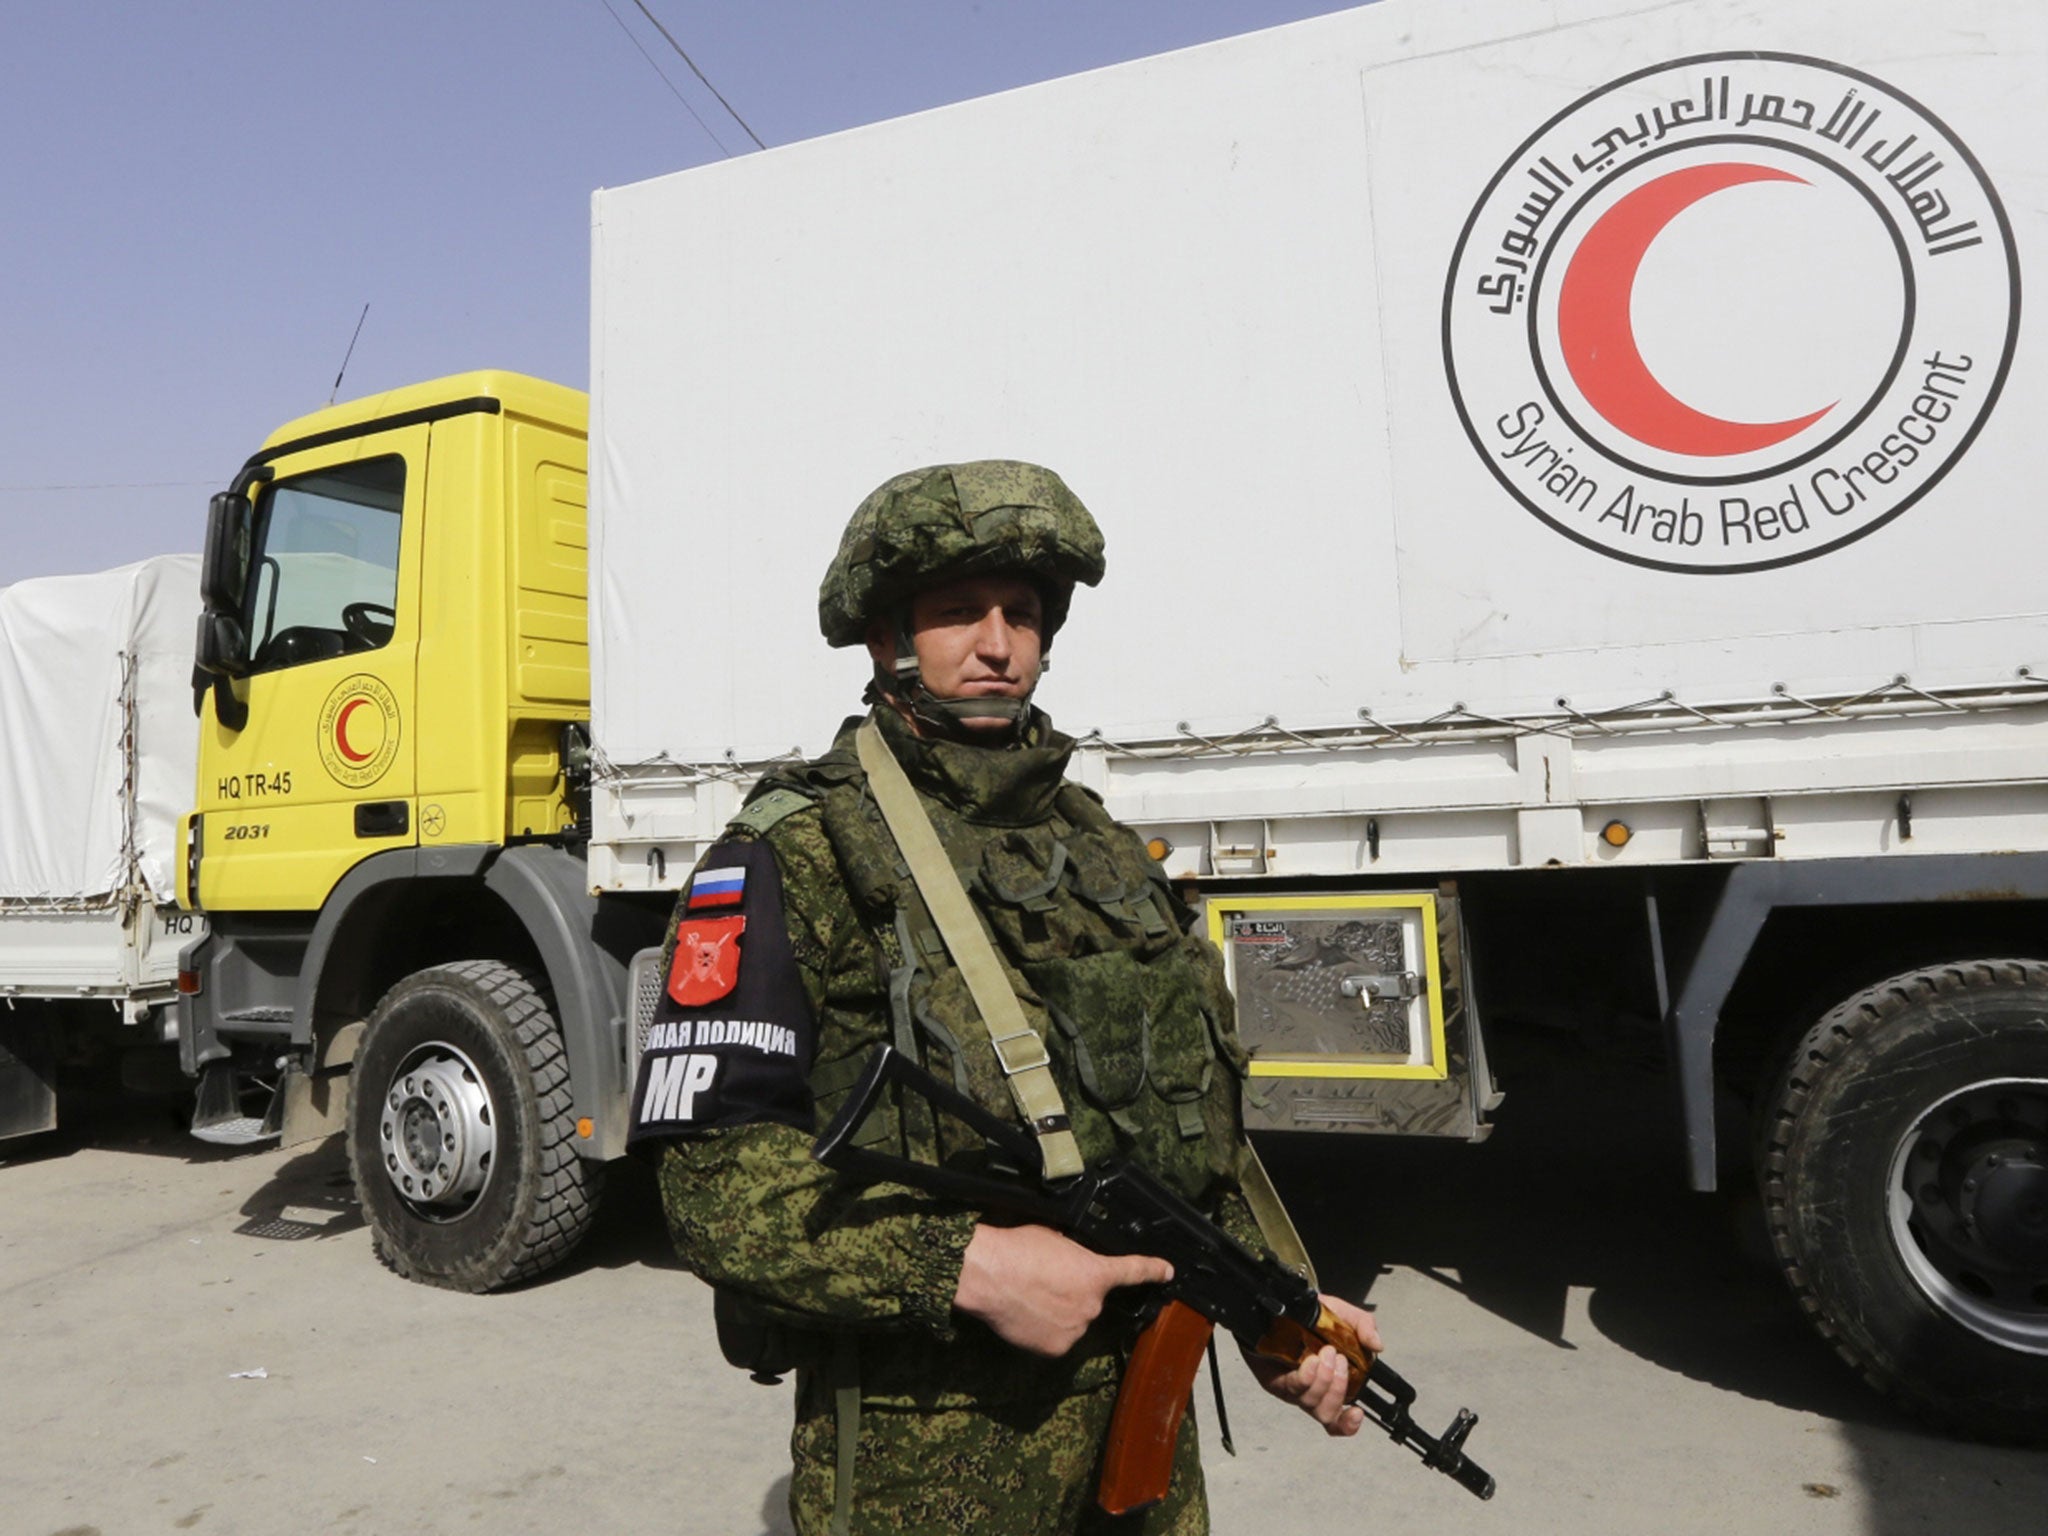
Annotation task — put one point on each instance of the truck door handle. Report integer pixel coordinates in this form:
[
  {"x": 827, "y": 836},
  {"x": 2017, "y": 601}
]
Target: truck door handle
[
  {"x": 383, "y": 818},
  {"x": 1388, "y": 989}
]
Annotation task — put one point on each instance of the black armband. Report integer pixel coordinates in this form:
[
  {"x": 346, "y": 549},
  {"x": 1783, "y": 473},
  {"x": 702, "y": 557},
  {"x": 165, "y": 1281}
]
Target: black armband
[{"x": 733, "y": 1036}]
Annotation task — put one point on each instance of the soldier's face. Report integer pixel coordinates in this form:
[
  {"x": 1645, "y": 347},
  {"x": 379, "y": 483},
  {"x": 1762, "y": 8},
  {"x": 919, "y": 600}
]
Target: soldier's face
[{"x": 978, "y": 637}]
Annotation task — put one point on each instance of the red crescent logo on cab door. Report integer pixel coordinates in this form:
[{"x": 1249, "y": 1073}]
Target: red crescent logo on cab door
[
  {"x": 341, "y": 731},
  {"x": 359, "y": 731}
]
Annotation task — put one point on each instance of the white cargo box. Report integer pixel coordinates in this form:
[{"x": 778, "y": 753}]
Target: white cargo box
[
  {"x": 98, "y": 743},
  {"x": 1518, "y": 377}
]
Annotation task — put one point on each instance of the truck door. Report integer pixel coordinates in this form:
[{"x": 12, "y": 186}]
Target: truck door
[{"x": 322, "y": 774}]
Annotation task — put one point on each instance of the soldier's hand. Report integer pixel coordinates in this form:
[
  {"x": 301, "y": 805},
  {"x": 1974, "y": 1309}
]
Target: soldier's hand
[
  {"x": 1320, "y": 1384},
  {"x": 1038, "y": 1289}
]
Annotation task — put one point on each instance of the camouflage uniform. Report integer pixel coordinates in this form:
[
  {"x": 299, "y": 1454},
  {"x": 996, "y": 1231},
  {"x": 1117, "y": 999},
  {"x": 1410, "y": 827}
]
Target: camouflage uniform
[{"x": 958, "y": 1431}]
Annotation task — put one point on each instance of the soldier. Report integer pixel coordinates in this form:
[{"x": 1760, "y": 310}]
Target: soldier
[{"x": 953, "y": 1373}]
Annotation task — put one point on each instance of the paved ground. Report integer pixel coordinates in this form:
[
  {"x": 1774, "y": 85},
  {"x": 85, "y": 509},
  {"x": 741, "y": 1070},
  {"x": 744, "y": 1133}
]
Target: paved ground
[{"x": 1635, "y": 1364}]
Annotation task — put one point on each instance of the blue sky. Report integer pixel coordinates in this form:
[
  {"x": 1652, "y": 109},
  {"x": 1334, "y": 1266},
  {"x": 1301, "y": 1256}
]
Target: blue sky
[{"x": 202, "y": 197}]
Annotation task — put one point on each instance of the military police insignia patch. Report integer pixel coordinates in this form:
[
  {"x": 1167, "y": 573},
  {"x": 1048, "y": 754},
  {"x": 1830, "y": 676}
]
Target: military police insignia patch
[
  {"x": 727, "y": 1044},
  {"x": 707, "y": 960}
]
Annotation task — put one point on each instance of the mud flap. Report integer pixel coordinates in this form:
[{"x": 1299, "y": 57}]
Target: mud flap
[
  {"x": 28, "y": 1076},
  {"x": 315, "y": 1104}
]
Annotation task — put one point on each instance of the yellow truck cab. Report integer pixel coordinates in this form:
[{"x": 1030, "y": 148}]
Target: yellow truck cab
[{"x": 393, "y": 688}]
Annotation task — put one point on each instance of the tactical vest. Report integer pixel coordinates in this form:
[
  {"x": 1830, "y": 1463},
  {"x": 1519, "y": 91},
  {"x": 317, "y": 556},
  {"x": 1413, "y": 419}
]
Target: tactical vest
[{"x": 1133, "y": 1010}]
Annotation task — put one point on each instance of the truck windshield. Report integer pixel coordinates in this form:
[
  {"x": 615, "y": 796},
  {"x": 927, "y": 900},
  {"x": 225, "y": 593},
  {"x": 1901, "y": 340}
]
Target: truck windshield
[{"x": 324, "y": 580}]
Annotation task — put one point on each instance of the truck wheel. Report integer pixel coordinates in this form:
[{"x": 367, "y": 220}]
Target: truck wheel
[
  {"x": 1906, "y": 1182},
  {"x": 461, "y": 1137}
]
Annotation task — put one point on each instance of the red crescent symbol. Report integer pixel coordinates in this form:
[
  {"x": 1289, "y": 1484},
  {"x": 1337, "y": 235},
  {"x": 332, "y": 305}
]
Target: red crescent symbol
[
  {"x": 341, "y": 730},
  {"x": 1598, "y": 339}
]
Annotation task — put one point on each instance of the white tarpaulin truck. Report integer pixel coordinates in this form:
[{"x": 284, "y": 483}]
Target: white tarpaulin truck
[
  {"x": 1571, "y": 474},
  {"x": 97, "y": 748}
]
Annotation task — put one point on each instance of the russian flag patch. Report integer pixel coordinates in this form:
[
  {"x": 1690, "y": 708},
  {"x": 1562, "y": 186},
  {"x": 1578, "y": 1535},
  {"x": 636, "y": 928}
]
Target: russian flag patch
[{"x": 717, "y": 888}]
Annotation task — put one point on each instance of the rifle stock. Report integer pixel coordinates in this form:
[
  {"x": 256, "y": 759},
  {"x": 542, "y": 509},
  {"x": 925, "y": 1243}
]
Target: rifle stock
[{"x": 1116, "y": 1207}]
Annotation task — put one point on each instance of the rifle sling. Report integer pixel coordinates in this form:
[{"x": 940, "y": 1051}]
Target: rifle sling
[
  {"x": 1026, "y": 1064},
  {"x": 1275, "y": 1225},
  {"x": 844, "y": 1372}
]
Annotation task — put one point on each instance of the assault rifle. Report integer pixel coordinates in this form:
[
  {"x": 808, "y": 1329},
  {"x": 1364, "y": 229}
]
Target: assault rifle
[{"x": 1116, "y": 1207}]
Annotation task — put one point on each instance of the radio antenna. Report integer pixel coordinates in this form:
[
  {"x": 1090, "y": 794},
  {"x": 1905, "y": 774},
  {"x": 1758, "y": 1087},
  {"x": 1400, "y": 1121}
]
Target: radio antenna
[{"x": 351, "y": 352}]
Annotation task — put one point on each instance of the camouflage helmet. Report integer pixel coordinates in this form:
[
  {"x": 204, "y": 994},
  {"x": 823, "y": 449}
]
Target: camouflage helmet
[{"x": 991, "y": 517}]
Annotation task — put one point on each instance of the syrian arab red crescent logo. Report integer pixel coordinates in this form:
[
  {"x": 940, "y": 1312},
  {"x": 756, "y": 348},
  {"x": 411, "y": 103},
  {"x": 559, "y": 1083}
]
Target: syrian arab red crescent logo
[
  {"x": 1730, "y": 312},
  {"x": 358, "y": 730}
]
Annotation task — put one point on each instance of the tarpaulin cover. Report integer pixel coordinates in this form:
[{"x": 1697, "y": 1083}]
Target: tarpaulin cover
[
  {"x": 1211, "y": 290},
  {"x": 64, "y": 644}
]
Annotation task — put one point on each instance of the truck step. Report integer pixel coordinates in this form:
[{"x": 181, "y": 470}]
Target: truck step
[
  {"x": 243, "y": 1132},
  {"x": 219, "y": 1116}
]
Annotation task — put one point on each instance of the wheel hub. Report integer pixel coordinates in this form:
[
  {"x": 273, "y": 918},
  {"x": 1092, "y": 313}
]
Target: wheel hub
[
  {"x": 437, "y": 1129},
  {"x": 1969, "y": 1209},
  {"x": 2005, "y": 1202}
]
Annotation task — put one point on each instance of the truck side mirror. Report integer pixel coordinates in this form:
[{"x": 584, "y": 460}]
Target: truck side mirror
[
  {"x": 221, "y": 654},
  {"x": 221, "y": 649},
  {"x": 225, "y": 569}
]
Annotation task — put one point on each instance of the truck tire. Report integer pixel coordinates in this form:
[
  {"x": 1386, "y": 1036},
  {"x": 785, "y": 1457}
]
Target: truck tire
[
  {"x": 461, "y": 1137},
  {"x": 1905, "y": 1177}
]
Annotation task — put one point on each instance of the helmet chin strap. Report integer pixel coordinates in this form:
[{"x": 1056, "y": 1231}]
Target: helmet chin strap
[{"x": 946, "y": 718}]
